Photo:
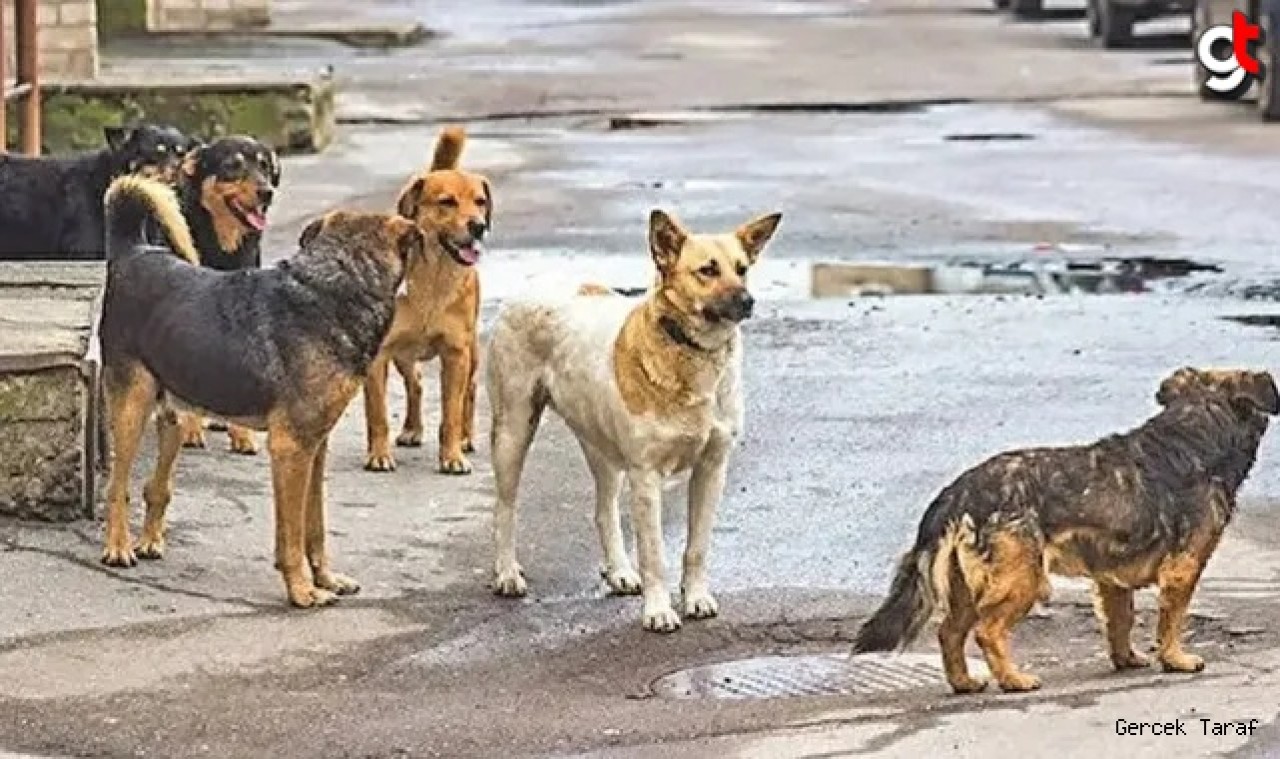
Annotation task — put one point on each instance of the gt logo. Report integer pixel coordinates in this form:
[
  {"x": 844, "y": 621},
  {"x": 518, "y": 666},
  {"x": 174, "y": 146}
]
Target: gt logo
[{"x": 1224, "y": 52}]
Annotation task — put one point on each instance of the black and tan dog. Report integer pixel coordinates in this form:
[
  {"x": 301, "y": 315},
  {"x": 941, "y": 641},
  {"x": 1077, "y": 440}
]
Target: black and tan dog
[
  {"x": 1131, "y": 510},
  {"x": 51, "y": 206},
  {"x": 282, "y": 349},
  {"x": 226, "y": 188}
]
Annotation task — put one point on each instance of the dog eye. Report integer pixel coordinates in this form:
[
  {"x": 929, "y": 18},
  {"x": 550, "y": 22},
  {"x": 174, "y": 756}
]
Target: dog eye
[
  {"x": 481, "y": 202},
  {"x": 741, "y": 269},
  {"x": 449, "y": 202},
  {"x": 710, "y": 269}
]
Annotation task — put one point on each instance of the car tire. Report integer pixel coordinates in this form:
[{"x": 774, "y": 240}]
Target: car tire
[
  {"x": 1115, "y": 24},
  {"x": 1268, "y": 54},
  {"x": 1026, "y": 9}
]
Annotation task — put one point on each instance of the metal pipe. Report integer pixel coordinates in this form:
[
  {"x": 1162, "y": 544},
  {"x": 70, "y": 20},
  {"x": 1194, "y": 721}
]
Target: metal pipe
[{"x": 27, "y": 32}]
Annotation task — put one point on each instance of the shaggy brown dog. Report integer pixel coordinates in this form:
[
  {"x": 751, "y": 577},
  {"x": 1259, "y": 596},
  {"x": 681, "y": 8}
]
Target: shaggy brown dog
[
  {"x": 439, "y": 316},
  {"x": 1147, "y": 506},
  {"x": 283, "y": 350}
]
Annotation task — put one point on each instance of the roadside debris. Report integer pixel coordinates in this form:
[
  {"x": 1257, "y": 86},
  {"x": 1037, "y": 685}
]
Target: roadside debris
[{"x": 1050, "y": 270}]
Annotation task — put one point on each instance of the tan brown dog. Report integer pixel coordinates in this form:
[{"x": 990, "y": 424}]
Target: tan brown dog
[
  {"x": 651, "y": 387},
  {"x": 1131, "y": 510},
  {"x": 283, "y": 350},
  {"x": 439, "y": 315}
]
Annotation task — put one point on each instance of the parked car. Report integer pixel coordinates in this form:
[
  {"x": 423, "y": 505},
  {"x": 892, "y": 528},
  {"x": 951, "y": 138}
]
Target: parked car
[
  {"x": 1264, "y": 13},
  {"x": 1111, "y": 21}
]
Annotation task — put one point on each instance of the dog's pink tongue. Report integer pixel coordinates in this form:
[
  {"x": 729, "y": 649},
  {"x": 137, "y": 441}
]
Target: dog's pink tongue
[
  {"x": 470, "y": 253},
  {"x": 256, "y": 219}
]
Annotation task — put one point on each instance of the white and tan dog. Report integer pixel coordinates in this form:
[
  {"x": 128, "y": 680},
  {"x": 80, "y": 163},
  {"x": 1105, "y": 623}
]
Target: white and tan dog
[{"x": 650, "y": 389}]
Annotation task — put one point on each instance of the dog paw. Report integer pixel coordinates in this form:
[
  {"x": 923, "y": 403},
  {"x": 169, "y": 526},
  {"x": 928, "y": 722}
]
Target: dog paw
[
  {"x": 119, "y": 556},
  {"x": 193, "y": 439},
  {"x": 510, "y": 582},
  {"x": 340, "y": 584},
  {"x": 468, "y": 446},
  {"x": 380, "y": 462},
  {"x": 309, "y": 596},
  {"x": 622, "y": 582},
  {"x": 661, "y": 620},
  {"x": 243, "y": 444},
  {"x": 1019, "y": 682},
  {"x": 968, "y": 685},
  {"x": 1131, "y": 660},
  {"x": 409, "y": 439},
  {"x": 1182, "y": 663},
  {"x": 700, "y": 605},
  {"x": 455, "y": 465},
  {"x": 151, "y": 549}
]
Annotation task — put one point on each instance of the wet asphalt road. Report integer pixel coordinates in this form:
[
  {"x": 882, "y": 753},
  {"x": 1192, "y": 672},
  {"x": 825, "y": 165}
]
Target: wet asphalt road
[{"x": 857, "y": 411}]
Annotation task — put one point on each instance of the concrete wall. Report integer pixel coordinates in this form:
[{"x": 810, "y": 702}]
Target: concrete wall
[
  {"x": 68, "y": 38},
  {"x": 173, "y": 15}
]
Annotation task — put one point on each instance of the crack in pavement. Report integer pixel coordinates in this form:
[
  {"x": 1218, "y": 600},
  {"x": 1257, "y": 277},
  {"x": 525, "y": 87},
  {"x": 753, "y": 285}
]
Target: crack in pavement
[{"x": 11, "y": 547}]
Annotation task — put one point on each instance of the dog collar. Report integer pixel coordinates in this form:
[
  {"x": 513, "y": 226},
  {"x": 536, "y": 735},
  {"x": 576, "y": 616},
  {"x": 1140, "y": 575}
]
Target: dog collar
[{"x": 677, "y": 333}]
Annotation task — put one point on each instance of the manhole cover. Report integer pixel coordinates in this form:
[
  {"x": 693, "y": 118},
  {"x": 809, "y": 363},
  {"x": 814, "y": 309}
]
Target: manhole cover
[{"x": 821, "y": 675}]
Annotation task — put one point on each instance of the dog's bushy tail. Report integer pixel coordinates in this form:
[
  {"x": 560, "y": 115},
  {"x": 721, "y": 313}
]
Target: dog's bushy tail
[
  {"x": 132, "y": 201},
  {"x": 907, "y": 608},
  {"x": 449, "y": 146}
]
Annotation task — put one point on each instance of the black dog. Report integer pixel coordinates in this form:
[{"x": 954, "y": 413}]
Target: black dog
[
  {"x": 226, "y": 188},
  {"x": 51, "y": 206}
]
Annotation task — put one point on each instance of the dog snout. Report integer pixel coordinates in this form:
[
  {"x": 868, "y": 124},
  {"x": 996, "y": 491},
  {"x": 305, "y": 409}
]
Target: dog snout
[
  {"x": 743, "y": 304},
  {"x": 476, "y": 228},
  {"x": 265, "y": 195}
]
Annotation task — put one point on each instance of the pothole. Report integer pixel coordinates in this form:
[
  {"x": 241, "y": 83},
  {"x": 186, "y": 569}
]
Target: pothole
[{"x": 812, "y": 675}]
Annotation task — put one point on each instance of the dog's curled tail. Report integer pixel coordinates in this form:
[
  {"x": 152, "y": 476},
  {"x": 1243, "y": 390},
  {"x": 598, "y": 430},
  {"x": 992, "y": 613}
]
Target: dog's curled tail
[
  {"x": 133, "y": 200},
  {"x": 449, "y": 147}
]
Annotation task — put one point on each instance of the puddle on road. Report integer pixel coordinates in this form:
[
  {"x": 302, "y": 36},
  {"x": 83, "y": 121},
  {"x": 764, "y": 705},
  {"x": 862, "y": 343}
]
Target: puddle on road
[{"x": 813, "y": 675}]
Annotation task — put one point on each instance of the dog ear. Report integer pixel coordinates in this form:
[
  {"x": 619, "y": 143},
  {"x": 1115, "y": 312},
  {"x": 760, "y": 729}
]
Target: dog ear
[
  {"x": 666, "y": 239},
  {"x": 1258, "y": 390},
  {"x": 115, "y": 136},
  {"x": 409, "y": 200},
  {"x": 309, "y": 233},
  {"x": 488, "y": 205},
  {"x": 755, "y": 234},
  {"x": 1176, "y": 384},
  {"x": 191, "y": 162}
]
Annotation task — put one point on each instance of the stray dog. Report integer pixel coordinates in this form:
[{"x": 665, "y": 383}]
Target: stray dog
[
  {"x": 649, "y": 388},
  {"x": 226, "y": 188},
  {"x": 282, "y": 349},
  {"x": 51, "y": 206},
  {"x": 1146, "y": 506},
  {"x": 439, "y": 315}
]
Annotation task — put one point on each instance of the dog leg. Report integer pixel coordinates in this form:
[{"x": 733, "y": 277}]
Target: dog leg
[
  {"x": 1014, "y": 582},
  {"x": 192, "y": 430},
  {"x": 514, "y": 424},
  {"x": 1177, "y": 578},
  {"x": 706, "y": 488},
  {"x": 130, "y": 399},
  {"x": 952, "y": 633},
  {"x": 159, "y": 489},
  {"x": 1114, "y": 606},
  {"x": 317, "y": 553},
  {"x": 469, "y": 401},
  {"x": 411, "y": 372},
  {"x": 455, "y": 366},
  {"x": 618, "y": 572},
  {"x": 241, "y": 440},
  {"x": 291, "y": 471},
  {"x": 646, "y": 518},
  {"x": 379, "y": 458}
]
